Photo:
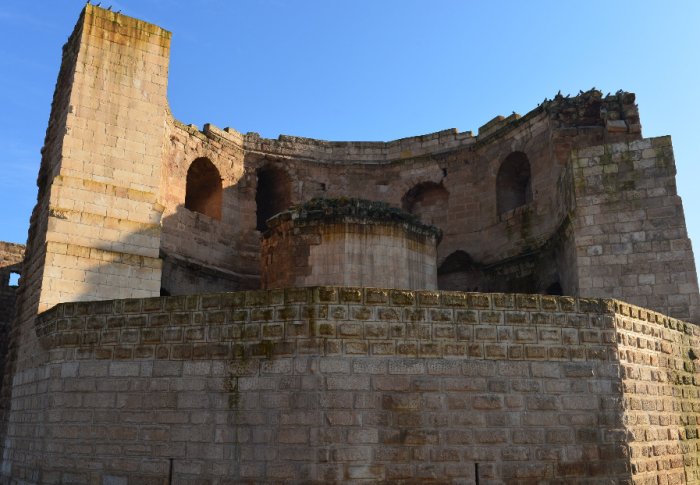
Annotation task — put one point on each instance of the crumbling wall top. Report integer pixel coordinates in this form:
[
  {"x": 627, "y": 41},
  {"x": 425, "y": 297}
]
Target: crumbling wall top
[
  {"x": 614, "y": 112},
  {"x": 343, "y": 209}
]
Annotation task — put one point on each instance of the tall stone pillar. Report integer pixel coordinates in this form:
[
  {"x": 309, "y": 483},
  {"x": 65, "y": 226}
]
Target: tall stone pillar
[{"x": 95, "y": 230}]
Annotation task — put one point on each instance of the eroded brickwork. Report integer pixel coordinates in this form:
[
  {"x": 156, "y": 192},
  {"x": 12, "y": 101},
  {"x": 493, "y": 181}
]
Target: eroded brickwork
[
  {"x": 95, "y": 230},
  {"x": 200, "y": 253},
  {"x": 448, "y": 178}
]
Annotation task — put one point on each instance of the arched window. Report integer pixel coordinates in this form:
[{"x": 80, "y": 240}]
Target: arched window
[
  {"x": 428, "y": 201},
  {"x": 274, "y": 194},
  {"x": 513, "y": 187},
  {"x": 204, "y": 191}
]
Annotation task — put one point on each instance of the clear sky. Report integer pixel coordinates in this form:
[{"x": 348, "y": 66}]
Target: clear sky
[{"x": 368, "y": 70}]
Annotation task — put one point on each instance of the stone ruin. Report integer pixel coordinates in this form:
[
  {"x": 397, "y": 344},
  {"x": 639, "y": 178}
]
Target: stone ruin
[{"x": 214, "y": 307}]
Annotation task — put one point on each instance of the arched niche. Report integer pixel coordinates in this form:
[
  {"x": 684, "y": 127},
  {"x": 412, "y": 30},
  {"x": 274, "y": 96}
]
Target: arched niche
[
  {"x": 204, "y": 191},
  {"x": 459, "y": 272},
  {"x": 428, "y": 201},
  {"x": 513, "y": 184},
  {"x": 273, "y": 195}
]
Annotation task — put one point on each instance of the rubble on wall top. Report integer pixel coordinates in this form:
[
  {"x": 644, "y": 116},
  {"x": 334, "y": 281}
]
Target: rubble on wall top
[{"x": 587, "y": 108}]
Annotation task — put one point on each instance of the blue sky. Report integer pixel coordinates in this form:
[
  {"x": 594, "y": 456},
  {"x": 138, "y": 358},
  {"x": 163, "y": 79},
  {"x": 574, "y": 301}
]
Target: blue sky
[{"x": 368, "y": 70}]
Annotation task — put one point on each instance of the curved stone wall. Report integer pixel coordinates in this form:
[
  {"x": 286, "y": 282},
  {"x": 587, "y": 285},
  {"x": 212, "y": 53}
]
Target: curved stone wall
[
  {"x": 331, "y": 385},
  {"x": 601, "y": 217},
  {"x": 349, "y": 242},
  {"x": 464, "y": 166}
]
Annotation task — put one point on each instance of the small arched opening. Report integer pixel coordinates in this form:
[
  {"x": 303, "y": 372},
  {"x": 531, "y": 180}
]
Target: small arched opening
[
  {"x": 428, "y": 201},
  {"x": 273, "y": 195},
  {"x": 513, "y": 185},
  {"x": 459, "y": 272},
  {"x": 204, "y": 191}
]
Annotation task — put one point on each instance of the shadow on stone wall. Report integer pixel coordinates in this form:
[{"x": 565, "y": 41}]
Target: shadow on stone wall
[
  {"x": 203, "y": 254},
  {"x": 544, "y": 270}
]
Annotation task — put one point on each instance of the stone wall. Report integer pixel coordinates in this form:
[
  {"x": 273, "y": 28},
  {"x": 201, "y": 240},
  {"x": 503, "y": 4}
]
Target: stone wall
[
  {"x": 582, "y": 203},
  {"x": 630, "y": 233},
  {"x": 95, "y": 230},
  {"x": 201, "y": 253},
  {"x": 351, "y": 242},
  {"x": 658, "y": 357},
  {"x": 105, "y": 183},
  {"x": 448, "y": 178},
  {"x": 335, "y": 384},
  {"x": 101, "y": 173},
  {"x": 11, "y": 257}
]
